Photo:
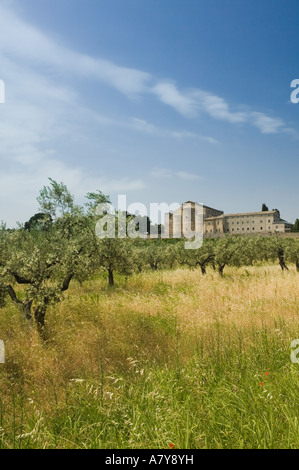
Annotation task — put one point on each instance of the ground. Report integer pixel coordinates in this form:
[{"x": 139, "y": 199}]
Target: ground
[{"x": 164, "y": 357}]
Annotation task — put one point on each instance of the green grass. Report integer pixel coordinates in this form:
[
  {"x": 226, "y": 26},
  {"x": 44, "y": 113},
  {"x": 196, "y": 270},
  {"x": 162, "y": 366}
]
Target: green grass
[{"x": 201, "y": 362}]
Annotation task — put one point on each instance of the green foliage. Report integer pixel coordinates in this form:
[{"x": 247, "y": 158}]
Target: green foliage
[
  {"x": 94, "y": 199},
  {"x": 264, "y": 208},
  {"x": 292, "y": 252},
  {"x": 139, "y": 370},
  {"x": 56, "y": 200},
  {"x": 200, "y": 257},
  {"x": 39, "y": 221},
  {"x": 60, "y": 244},
  {"x": 115, "y": 254},
  {"x": 295, "y": 227},
  {"x": 44, "y": 263}
]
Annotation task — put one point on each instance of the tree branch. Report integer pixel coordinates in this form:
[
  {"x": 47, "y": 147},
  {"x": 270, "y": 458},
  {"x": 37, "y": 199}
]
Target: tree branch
[
  {"x": 12, "y": 294},
  {"x": 20, "y": 279}
]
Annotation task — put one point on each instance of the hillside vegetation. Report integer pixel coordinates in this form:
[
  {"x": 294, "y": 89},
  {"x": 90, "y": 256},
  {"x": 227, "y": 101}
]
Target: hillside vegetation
[{"x": 125, "y": 342}]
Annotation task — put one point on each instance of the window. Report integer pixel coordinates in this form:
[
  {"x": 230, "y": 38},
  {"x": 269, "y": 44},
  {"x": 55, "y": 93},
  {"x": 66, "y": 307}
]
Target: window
[
  {"x": 252, "y": 228},
  {"x": 243, "y": 229},
  {"x": 247, "y": 228},
  {"x": 261, "y": 228}
]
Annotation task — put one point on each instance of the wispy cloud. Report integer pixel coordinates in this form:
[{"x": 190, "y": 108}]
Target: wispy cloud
[
  {"x": 142, "y": 125},
  {"x": 166, "y": 173},
  {"x": 25, "y": 42},
  {"x": 191, "y": 103},
  {"x": 184, "y": 103},
  {"x": 28, "y": 44},
  {"x": 266, "y": 124}
]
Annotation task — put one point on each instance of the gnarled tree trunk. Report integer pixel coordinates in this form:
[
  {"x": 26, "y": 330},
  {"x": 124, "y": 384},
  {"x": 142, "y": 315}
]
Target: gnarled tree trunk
[
  {"x": 281, "y": 259},
  {"x": 111, "y": 278}
]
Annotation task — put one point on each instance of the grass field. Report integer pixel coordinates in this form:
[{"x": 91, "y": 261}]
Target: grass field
[{"x": 165, "y": 356}]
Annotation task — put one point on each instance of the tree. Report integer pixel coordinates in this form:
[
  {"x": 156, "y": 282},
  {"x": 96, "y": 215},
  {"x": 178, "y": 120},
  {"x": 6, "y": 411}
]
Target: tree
[
  {"x": 39, "y": 221},
  {"x": 265, "y": 208},
  {"x": 115, "y": 254},
  {"x": 94, "y": 199},
  {"x": 44, "y": 262},
  {"x": 199, "y": 257},
  {"x": 292, "y": 252},
  {"x": 43, "y": 265},
  {"x": 56, "y": 200},
  {"x": 275, "y": 249},
  {"x": 156, "y": 253},
  {"x": 228, "y": 251},
  {"x": 295, "y": 227}
]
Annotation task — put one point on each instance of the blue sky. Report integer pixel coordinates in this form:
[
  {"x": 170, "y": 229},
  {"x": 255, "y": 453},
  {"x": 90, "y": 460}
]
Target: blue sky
[{"x": 161, "y": 100}]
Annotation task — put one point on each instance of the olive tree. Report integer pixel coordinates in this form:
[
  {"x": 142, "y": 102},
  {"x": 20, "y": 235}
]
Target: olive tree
[
  {"x": 199, "y": 257},
  {"x": 115, "y": 254},
  {"x": 292, "y": 252},
  {"x": 37, "y": 265}
]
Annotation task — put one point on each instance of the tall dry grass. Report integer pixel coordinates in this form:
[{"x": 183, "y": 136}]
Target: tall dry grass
[{"x": 164, "y": 356}]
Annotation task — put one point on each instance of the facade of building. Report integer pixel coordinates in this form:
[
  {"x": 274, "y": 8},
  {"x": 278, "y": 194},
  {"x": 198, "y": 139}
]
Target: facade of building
[
  {"x": 215, "y": 222},
  {"x": 189, "y": 217}
]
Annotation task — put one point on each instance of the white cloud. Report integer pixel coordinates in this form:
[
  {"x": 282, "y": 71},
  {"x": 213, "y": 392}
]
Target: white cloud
[
  {"x": 168, "y": 93},
  {"x": 192, "y": 103},
  {"x": 162, "y": 173},
  {"x": 143, "y": 126},
  {"x": 20, "y": 187},
  {"x": 27, "y": 43},
  {"x": 187, "y": 176},
  {"x": 166, "y": 173},
  {"x": 186, "y": 134},
  {"x": 217, "y": 108},
  {"x": 266, "y": 124}
]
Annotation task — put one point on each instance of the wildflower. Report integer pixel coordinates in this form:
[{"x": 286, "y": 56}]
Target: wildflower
[
  {"x": 171, "y": 446},
  {"x": 266, "y": 373},
  {"x": 261, "y": 384}
]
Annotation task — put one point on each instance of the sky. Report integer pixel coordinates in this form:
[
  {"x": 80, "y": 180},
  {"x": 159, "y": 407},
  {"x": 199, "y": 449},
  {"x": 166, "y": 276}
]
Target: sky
[{"x": 158, "y": 100}]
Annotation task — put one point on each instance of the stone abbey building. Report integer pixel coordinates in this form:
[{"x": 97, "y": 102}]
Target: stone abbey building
[{"x": 215, "y": 222}]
